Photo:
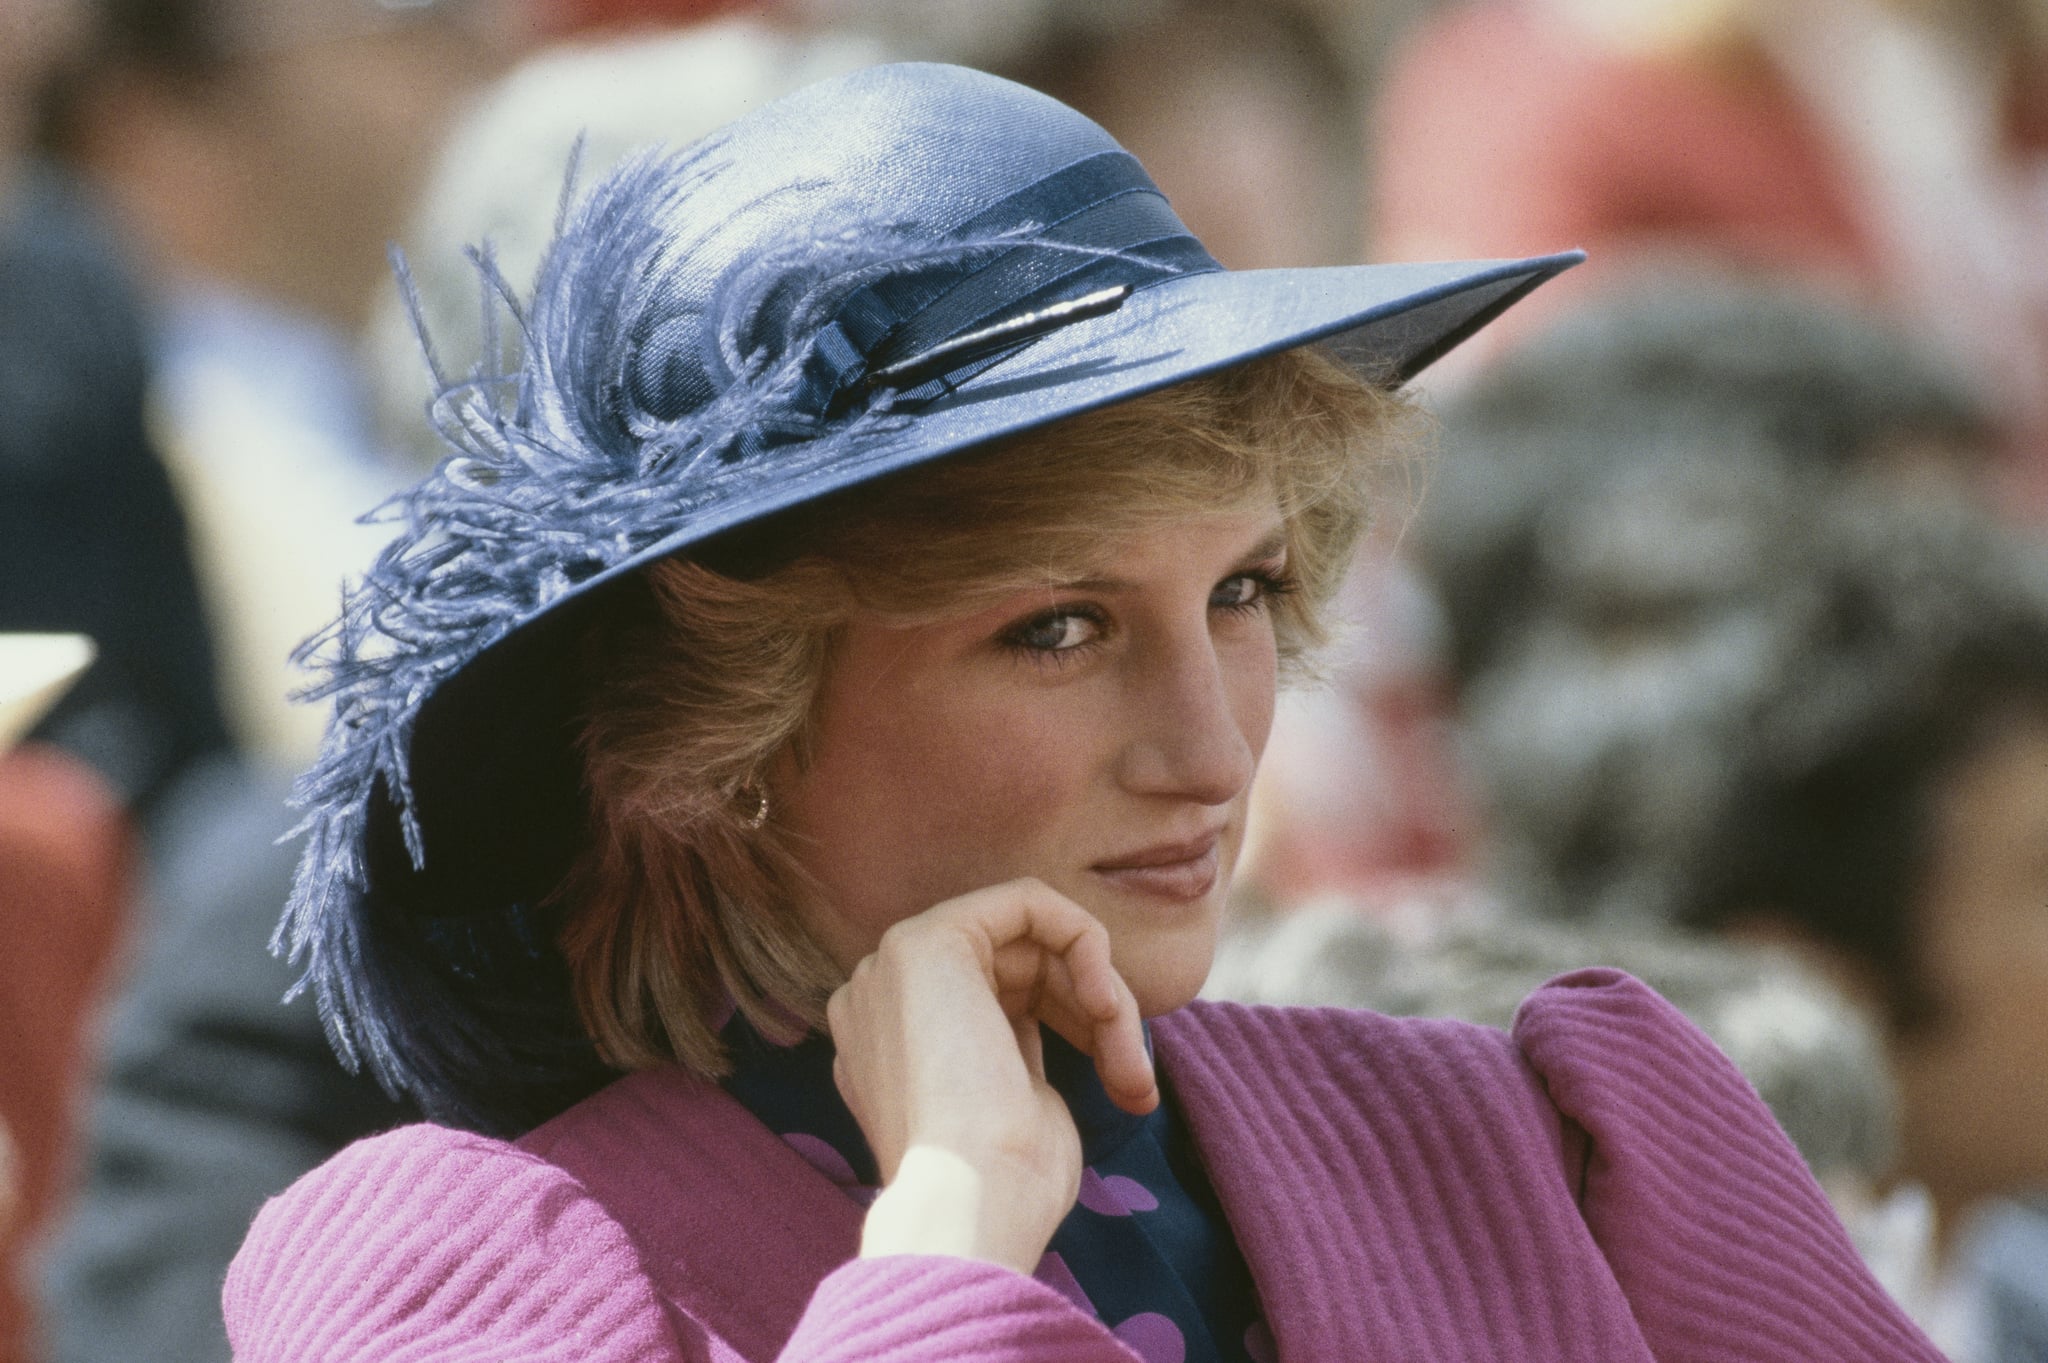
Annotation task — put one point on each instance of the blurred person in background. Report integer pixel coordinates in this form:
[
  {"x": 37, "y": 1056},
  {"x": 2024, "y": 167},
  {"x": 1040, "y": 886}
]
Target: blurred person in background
[
  {"x": 256, "y": 156},
  {"x": 1615, "y": 505},
  {"x": 259, "y": 156},
  {"x": 1243, "y": 108},
  {"x": 211, "y": 1095},
  {"x": 90, "y": 541},
  {"x": 91, "y": 538},
  {"x": 1896, "y": 149},
  {"x": 1635, "y": 468},
  {"x": 215, "y": 1098},
  {"x": 65, "y": 879},
  {"x": 1736, "y": 650},
  {"x": 66, "y": 888},
  {"x": 1887, "y": 815},
  {"x": 1635, "y": 445},
  {"x": 498, "y": 177}
]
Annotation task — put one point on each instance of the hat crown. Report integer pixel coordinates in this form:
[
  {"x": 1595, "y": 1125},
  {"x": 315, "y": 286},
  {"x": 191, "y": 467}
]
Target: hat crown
[{"x": 839, "y": 230}]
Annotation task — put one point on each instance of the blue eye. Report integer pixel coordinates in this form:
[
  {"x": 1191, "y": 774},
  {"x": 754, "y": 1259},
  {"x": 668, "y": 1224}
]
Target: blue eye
[
  {"x": 1249, "y": 591},
  {"x": 1238, "y": 592},
  {"x": 1055, "y": 631}
]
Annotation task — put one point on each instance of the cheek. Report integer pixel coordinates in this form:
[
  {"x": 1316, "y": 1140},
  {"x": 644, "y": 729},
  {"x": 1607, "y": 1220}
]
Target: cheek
[
  {"x": 1251, "y": 671},
  {"x": 920, "y": 797},
  {"x": 975, "y": 786}
]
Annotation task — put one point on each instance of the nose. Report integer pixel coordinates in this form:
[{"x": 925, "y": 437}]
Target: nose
[{"x": 1198, "y": 720}]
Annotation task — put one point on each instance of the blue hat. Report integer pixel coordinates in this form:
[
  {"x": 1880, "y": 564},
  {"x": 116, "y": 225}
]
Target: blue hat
[{"x": 883, "y": 269}]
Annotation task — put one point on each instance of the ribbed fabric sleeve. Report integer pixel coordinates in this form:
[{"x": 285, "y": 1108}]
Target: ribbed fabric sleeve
[
  {"x": 430, "y": 1244},
  {"x": 1725, "y": 1246},
  {"x": 679, "y": 1166},
  {"x": 918, "y": 1309},
  {"x": 426, "y": 1245},
  {"x": 1399, "y": 1186}
]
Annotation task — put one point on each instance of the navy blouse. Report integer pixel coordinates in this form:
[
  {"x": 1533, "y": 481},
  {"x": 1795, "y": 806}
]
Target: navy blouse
[{"x": 1145, "y": 1250}]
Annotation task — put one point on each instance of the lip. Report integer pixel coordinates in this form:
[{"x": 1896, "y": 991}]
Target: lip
[{"x": 1179, "y": 871}]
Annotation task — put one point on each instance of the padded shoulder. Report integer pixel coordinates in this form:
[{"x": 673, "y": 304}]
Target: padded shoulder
[
  {"x": 433, "y": 1243},
  {"x": 1433, "y": 1061},
  {"x": 1725, "y": 1245},
  {"x": 1401, "y": 1180}
]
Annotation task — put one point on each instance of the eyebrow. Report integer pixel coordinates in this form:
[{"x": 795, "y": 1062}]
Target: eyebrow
[{"x": 1270, "y": 547}]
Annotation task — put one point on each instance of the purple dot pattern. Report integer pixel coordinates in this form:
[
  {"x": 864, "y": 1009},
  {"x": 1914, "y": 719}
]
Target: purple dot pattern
[
  {"x": 1145, "y": 1249},
  {"x": 821, "y": 1156},
  {"x": 1115, "y": 1195},
  {"x": 1054, "y": 1273},
  {"x": 1154, "y": 1338},
  {"x": 1098, "y": 1197},
  {"x": 1131, "y": 1194}
]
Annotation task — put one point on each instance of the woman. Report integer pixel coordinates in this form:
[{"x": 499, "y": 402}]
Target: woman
[{"x": 825, "y": 685}]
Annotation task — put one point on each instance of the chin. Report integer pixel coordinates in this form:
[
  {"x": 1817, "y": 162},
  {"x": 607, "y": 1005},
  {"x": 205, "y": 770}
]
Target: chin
[{"x": 1168, "y": 974}]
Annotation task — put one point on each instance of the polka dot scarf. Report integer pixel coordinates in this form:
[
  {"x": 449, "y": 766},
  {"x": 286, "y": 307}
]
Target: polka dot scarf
[{"x": 1145, "y": 1250}]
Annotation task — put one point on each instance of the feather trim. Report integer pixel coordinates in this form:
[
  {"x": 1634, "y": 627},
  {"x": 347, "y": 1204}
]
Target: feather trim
[{"x": 577, "y": 460}]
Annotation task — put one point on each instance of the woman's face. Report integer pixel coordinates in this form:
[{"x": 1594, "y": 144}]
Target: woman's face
[
  {"x": 1099, "y": 732},
  {"x": 1973, "y": 1092}
]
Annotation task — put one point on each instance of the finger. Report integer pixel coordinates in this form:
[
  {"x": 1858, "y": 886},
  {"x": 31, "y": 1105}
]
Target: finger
[
  {"x": 1018, "y": 970},
  {"x": 1016, "y": 911},
  {"x": 1123, "y": 1060},
  {"x": 1029, "y": 913},
  {"x": 1117, "y": 1043},
  {"x": 1119, "y": 1051},
  {"x": 1098, "y": 989},
  {"x": 1085, "y": 998},
  {"x": 842, "y": 1079},
  {"x": 1088, "y": 1001},
  {"x": 1031, "y": 980},
  {"x": 1053, "y": 1004},
  {"x": 1021, "y": 929}
]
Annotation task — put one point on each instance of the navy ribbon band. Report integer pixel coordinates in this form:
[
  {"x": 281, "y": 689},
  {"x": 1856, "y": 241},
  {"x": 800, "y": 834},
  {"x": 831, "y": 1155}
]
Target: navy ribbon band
[{"x": 1093, "y": 226}]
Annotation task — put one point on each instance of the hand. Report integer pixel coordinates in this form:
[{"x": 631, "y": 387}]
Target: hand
[{"x": 940, "y": 1060}]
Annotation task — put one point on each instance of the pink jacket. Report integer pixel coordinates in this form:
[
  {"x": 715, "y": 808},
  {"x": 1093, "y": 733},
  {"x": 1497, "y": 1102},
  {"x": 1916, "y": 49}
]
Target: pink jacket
[{"x": 1601, "y": 1185}]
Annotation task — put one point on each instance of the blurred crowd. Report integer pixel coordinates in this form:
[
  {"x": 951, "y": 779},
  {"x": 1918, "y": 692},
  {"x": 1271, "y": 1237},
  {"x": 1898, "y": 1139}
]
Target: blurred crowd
[{"x": 1711, "y": 640}]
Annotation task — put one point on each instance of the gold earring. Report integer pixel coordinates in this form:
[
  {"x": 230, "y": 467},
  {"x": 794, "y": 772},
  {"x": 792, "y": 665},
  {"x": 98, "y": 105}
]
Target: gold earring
[{"x": 753, "y": 789}]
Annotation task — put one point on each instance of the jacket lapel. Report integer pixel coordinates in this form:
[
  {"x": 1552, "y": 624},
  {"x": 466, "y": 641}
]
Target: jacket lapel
[{"x": 1303, "y": 1306}]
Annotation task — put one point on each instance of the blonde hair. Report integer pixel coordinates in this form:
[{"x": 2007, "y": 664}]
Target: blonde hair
[{"x": 711, "y": 669}]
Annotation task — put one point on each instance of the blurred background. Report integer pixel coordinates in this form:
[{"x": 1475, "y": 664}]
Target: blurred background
[{"x": 1710, "y": 640}]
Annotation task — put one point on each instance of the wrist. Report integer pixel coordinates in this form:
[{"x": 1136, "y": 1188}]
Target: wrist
[{"x": 939, "y": 1203}]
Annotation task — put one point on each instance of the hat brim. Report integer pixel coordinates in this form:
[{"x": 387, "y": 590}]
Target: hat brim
[
  {"x": 1387, "y": 321},
  {"x": 499, "y": 815}
]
